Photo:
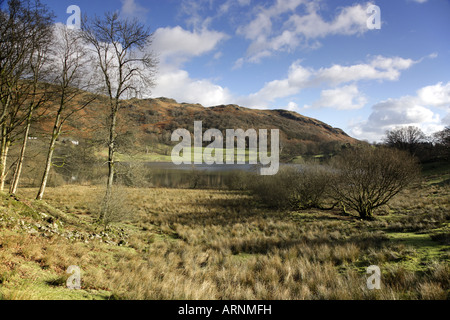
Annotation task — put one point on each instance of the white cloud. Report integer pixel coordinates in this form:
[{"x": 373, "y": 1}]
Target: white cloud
[
  {"x": 394, "y": 113},
  {"x": 407, "y": 111},
  {"x": 194, "y": 11},
  {"x": 238, "y": 64},
  {"x": 402, "y": 111},
  {"x": 175, "y": 46},
  {"x": 130, "y": 8},
  {"x": 267, "y": 36},
  {"x": 299, "y": 77},
  {"x": 437, "y": 95},
  {"x": 257, "y": 28},
  {"x": 343, "y": 94},
  {"x": 344, "y": 98},
  {"x": 292, "y": 106},
  {"x": 177, "y": 84},
  {"x": 380, "y": 68},
  {"x": 350, "y": 21},
  {"x": 179, "y": 45}
]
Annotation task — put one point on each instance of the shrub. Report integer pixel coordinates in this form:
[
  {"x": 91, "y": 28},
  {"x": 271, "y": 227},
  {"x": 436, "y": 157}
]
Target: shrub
[
  {"x": 133, "y": 174},
  {"x": 366, "y": 178},
  {"x": 238, "y": 181},
  {"x": 293, "y": 187},
  {"x": 275, "y": 191},
  {"x": 311, "y": 184},
  {"x": 116, "y": 208}
]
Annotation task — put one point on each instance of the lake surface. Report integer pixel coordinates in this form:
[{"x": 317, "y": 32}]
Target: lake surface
[{"x": 168, "y": 175}]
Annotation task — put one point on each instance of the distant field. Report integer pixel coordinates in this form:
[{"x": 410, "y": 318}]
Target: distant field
[
  {"x": 203, "y": 244},
  {"x": 156, "y": 157}
]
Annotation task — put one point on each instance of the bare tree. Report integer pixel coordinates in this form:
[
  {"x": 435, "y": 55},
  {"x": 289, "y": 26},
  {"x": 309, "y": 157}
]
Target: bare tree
[
  {"x": 36, "y": 95},
  {"x": 442, "y": 142},
  {"x": 405, "y": 138},
  {"x": 126, "y": 67},
  {"x": 70, "y": 65},
  {"x": 367, "y": 177},
  {"x": 119, "y": 208},
  {"x": 23, "y": 29},
  {"x": 311, "y": 185}
]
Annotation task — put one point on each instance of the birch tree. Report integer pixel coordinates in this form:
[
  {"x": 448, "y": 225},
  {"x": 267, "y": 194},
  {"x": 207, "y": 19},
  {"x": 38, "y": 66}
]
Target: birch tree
[
  {"x": 36, "y": 94},
  {"x": 70, "y": 63},
  {"x": 23, "y": 26},
  {"x": 126, "y": 66}
]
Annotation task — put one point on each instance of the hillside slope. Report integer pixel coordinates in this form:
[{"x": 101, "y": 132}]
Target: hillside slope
[{"x": 148, "y": 122}]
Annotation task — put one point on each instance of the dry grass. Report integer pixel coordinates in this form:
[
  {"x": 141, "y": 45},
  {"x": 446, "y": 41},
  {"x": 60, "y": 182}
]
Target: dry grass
[{"x": 198, "y": 244}]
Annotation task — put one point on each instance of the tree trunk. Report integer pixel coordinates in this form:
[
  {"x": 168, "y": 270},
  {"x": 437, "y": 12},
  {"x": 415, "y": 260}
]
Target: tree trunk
[
  {"x": 111, "y": 167},
  {"x": 18, "y": 170},
  {"x": 48, "y": 166},
  {"x": 366, "y": 213},
  {"x": 48, "y": 163},
  {"x": 3, "y": 156},
  {"x": 5, "y": 108}
]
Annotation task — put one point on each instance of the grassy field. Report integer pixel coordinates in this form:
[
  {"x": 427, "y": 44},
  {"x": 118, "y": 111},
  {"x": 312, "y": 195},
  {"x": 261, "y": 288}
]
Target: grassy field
[
  {"x": 160, "y": 157},
  {"x": 202, "y": 244}
]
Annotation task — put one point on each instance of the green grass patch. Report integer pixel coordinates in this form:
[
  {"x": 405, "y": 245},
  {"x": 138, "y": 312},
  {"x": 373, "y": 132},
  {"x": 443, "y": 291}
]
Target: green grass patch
[
  {"x": 46, "y": 290},
  {"x": 165, "y": 155},
  {"x": 436, "y": 173},
  {"x": 424, "y": 247}
]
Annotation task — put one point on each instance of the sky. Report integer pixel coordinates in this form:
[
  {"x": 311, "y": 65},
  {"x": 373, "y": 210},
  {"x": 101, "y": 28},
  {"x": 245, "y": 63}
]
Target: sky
[{"x": 322, "y": 59}]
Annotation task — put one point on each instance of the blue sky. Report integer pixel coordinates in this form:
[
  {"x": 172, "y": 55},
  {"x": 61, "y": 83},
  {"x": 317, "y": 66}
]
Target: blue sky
[{"x": 315, "y": 57}]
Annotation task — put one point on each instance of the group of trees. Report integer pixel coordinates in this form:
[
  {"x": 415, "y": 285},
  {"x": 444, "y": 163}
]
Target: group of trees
[
  {"x": 425, "y": 148},
  {"x": 361, "y": 178},
  {"x": 46, "y": 68},
  {"x": 25, "y": 38}
]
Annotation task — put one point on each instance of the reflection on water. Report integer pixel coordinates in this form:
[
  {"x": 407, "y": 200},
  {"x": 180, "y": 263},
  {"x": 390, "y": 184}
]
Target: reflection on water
[
  {"x": 169, "y": 175},
  {"x": 165, "y": 174}
]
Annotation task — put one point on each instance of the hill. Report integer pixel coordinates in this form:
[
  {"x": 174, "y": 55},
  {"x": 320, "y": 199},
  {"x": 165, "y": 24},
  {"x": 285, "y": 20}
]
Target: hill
[{"x": 147, "y": 124}]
